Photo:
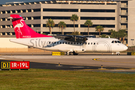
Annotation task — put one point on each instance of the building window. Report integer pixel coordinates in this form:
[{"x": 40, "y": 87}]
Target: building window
[
  {"x": 98, "y": 18},
  {"x": 19, "y": 11},
  {"x": 38, "y": 17},
  {"x": 27, "y": 3},
  {"x": 8, "y": 33},
  {"x": 60, "y": 10},
  {"x": 55, "y": 17},
  {"x": 3, "y": 26},
  {"x": 67, "y": 25},
  {"x": 3, "y": 19},
  {"x": 8, "y": 26},
  {"x": 3, "y": 12},
  {"x": 97, "y": 10},
  {"x": 8, "y": 11},
  {"x": 29, "y": 18},
  {"x": 111, "y": 3},
  {"x": 21, "y": 3},
  {"x": 13, "y": 33},
  {"x": 8, "y": 19},
  {"x": 29, "y": 10},
  {"x": 13, "y": 11},
  {"x": 36, "y": 25},
  {"x": 36, "y": 10},
  {"x": 104, "y": 26},
  {"x": 24, "y": 11}
]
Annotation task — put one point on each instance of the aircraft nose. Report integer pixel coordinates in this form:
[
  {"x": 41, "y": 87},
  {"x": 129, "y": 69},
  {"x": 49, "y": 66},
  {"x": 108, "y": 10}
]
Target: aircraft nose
[{"x": 125, "y": 47}]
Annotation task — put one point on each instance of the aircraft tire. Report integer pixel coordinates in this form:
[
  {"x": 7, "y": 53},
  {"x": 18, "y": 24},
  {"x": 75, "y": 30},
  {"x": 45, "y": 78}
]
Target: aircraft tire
[
  {"x": 75, "y": 53},
  {"x": 67, "y": 53}
]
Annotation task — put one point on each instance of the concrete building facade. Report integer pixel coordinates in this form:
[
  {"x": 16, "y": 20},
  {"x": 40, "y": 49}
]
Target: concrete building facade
[
  {"x": 131, "y": 23},
  {"x": 110, "y": 14}
]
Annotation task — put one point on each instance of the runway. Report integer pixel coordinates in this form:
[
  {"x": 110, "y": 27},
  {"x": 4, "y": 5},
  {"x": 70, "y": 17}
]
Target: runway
[{"x": 82, "y": 62}]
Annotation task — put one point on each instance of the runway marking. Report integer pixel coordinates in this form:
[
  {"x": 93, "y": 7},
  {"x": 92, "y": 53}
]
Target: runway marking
[{"x": 96, "y": 59}]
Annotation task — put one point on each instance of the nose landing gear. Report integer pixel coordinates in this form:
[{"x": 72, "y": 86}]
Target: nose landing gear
[{"x": 118, "y": 53}]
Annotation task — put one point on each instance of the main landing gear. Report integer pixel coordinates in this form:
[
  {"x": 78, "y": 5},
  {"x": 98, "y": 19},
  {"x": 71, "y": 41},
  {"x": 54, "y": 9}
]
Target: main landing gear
[
  {"x": 69, "y": 53},
  {"x": 74, "y": 53}
]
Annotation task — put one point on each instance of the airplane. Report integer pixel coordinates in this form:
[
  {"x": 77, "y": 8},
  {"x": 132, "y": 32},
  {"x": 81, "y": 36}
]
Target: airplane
[{"x": 65, "y": 43}]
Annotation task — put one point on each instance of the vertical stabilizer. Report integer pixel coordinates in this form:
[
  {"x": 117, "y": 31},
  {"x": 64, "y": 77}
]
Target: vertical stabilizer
[{"x": 22, "y": 30}]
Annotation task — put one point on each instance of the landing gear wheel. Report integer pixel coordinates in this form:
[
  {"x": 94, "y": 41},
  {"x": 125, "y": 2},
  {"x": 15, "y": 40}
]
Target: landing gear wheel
[
  {"x": 75, "y": 53},
  {"x": 67, "y": 53},
  {"x": 70, "y": 53},
  {"x": 118, "y": 53}
]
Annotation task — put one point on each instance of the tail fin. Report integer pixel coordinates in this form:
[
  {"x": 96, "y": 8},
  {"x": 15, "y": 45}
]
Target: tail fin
[{"x": 22, "y": 30}]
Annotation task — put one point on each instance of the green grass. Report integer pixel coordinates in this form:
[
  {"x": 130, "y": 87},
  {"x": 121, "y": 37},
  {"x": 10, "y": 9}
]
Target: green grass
[{"x": 42, "y": 79}]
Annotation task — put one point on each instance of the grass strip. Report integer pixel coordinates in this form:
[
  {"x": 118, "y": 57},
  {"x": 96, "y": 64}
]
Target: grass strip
[{"x": 43, "y": 79}]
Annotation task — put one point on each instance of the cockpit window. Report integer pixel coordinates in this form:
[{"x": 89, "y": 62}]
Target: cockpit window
[
  {"x": 119, "y": 42},
  {"x": 116, "y": 42}
]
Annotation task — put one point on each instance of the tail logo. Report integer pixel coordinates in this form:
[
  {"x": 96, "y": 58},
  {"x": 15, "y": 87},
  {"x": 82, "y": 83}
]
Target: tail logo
[
  {"x": 22, "y": 30},
  {"x": 19, "y": 25}
]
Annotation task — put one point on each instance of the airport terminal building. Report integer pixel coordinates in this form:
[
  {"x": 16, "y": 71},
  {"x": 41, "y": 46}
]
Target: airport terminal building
[{"x": 110, "y": 14}]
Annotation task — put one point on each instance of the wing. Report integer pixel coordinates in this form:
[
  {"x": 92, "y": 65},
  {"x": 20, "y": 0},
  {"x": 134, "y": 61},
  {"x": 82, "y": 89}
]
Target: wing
[{"x": 72, "y": 38}]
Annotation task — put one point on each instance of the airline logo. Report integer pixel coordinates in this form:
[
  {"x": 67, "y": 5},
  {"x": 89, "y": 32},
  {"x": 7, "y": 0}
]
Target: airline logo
[{"x": 19, "y": 26}]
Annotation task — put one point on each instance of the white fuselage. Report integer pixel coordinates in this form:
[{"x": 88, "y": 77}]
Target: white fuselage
[{"x": 92, "y": 44}]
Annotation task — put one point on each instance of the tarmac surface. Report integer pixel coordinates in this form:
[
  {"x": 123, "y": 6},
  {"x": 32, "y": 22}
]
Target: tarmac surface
[{"x": 85, "y": 62}]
